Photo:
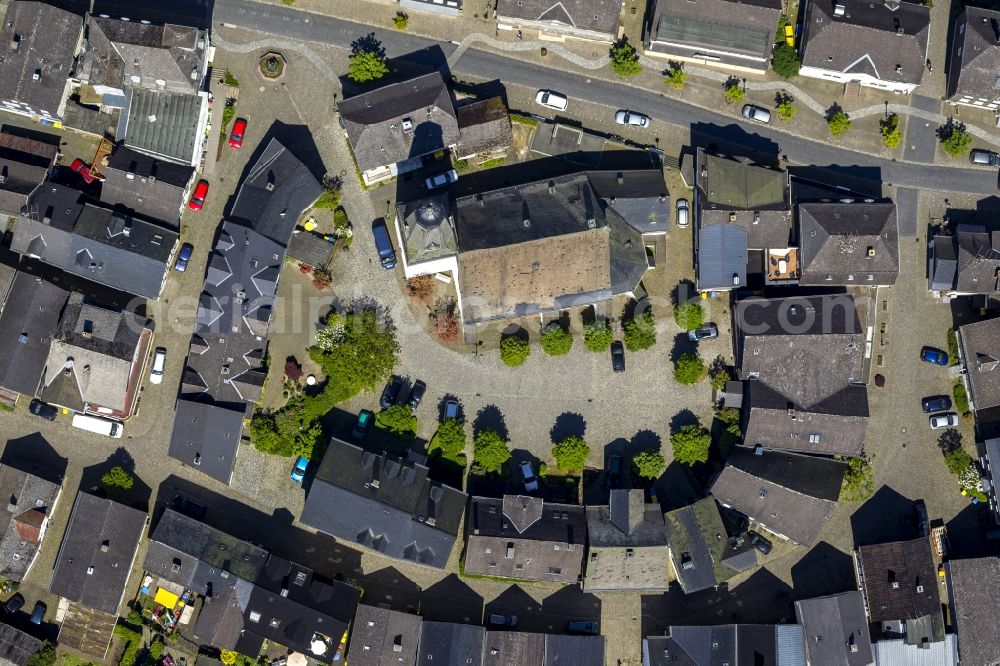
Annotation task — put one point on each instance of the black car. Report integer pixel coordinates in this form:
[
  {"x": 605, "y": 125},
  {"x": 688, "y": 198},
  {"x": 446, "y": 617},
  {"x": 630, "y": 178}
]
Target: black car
[
  {"x": 416, "y": 395},
  {"x": 614, "y": 473},
  {"x": 760, "y": 543},
  {"x": 390, "y": 394},
  {"x": 936, "y": 403},
  {"x": 618, "y": 356},
  {"x": 43, "y": 409},
  {"x": 188, "y": 507},
  {"x": 38, "y": 613},
  {"x": 13, "y": 604}
]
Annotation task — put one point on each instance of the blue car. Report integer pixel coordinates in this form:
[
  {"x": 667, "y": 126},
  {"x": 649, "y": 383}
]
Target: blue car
[
  {"x": 299, "y": 469},
  {"x": 183, "y": 257},
  {"x": 935, "y": 356}
]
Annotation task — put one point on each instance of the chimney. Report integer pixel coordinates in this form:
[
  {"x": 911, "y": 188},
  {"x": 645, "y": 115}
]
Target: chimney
[
  {"x": 839, "y": 10},
  {"x": 871, "y": 251}
]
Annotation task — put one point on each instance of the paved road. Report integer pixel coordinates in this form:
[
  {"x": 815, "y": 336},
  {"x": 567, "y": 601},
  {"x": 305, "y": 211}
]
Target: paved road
[{"x": 707, "y": 126}]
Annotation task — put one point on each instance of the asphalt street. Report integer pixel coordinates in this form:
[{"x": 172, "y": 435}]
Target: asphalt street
[{"x": 707, "y": 126}]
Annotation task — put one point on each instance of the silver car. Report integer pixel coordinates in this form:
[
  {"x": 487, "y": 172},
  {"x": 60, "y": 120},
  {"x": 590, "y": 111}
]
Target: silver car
[
  {"x": 756, "y": 113},
  {"x": 631, "y": 118},
  {"x": 949, "y": 420},
  {"x": 683, "y": 214},
  {"x": 984, "y": 157}
]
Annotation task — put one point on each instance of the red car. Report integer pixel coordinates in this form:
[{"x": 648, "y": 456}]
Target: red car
[
  {"x": 82, "y": 169},
  {"x": 198, "y": 198},
  {"x": 236, "y": 136}
]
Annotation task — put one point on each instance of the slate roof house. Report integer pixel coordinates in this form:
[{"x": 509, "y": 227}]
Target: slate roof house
[
  {"x": 31, "y": 311},
  {"x": 852, "y": 244},
  {"x": 975, "y": 59},
  {"x": 965, "y": 263},
  {"x": 876, "y": 44},
  {"x": 503, "y": 648},
  {"x": 96, "y": 360},
  {"x": 97, "y": 553},
  {"x": 146, "y": 186},
  {"x": 732, "y": 644},
  {"x": 595, "y": 20},
  {"x": 16, "y": 646},
  {"x": 788, "y": 494},
  {"x": 484, "y": 126},
  {"x": 801, "y": 362},
  {"x": 728, "y": 34},
  {"x": 24, "y": 166},
  {"x": 979, "y": 352},
  {"x": 836, "y": 630},
  {"x": 381, "y": 636},
  {"x": 525, "y": 537},
  {"x": 752, "y": 205},
  {"x": 384, "y": 504},
  {"x": 899, "y": 584},
  {"x": 628, "y": 545},
  {"x": 61, "y": 228},
  {"x": 31, "y": 500},
  {"x": 972, "y": 586},
  {"x": 39, "y": 42},
  {"x": 250, "y": 595},
  {"x": 701, "y": 554},
  {"x": 450, "y": 643},
  {"x": 392, "y": 127}
]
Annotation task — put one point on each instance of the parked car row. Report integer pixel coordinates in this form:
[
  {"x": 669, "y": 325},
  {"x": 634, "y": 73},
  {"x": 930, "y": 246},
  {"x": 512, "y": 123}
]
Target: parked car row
[
  {"x": 937, "y": 403},
  {"x": 390, "y": 394},
  {"x": 572, "y": 627},
  {"x": 16, "y": 602}
]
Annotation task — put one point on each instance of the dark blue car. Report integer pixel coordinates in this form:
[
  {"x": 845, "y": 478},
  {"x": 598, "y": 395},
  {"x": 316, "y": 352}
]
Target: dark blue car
[
  {"x": 183, "y": 257},
  {"x": 936, "y": 403},
  {"x": 935, "y": 356}
]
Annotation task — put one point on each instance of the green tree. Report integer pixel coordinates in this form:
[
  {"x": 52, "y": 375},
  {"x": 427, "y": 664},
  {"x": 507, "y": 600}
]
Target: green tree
[
  {"x": 156, "y": 650},
  {"x": 450, "y": 438},
  {"x": 228, "y": 657},
  {"x": 640, "y": 332},
  {"x": 676, "y": 76},
  {"x": 117, "y": 477},
  {"x": 689, "y": 316},
  {"x": 556, "y": 340},
  {"x": 732, "y": 433},
  {"x": 366, "y": 65},
  {"x": 957, "y": 461},
  {"x": 597, "y": 336},
  {"x": 44, "y": 657},
  {"x": 688, "y": 368},
  {"x": 361, "y": 353},
  {"x": 571, "y": 454},
  {"x": 398, "y": 420},
  {"x": 400, "y": 21},
  {"x": 691, "y": 444},
  {"x": 719, "y": 377},
  {"x": 889, "y": 127},
  {"x": 624, "y": 59},
  {"x": 785, "y": 61},
  {"x": 961, "y": 398},
  {"x": 490, "y": 450},
  {"x": 838, "y": 122},
  {"x": 955, "y": 138},
  {"x": 649, "y": 464},
  {"x": 514, "y": 350},
  {"x": 858, "y": 484},
  {"x": 786, "y": 108},
  {"x": 734, "y": 92}
]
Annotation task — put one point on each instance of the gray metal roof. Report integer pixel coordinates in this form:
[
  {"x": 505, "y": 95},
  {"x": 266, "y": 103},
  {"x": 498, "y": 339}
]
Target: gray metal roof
[
  {"x": 721, "y": 27},
  {"x": 898, "y": 653},
  {"x": 97, "y": 552},
  {"x": 163, "y": 123},
  {"x": 942, "y": 263},
  {"x": 732, "y": 644},
  {"x": 597, "y": 16},
  {"x": 836, "y": 630},
  {"x": 722, "y": 257},
  {"x": 29, "y": 317},
  {"x": 206, "y": 437}
]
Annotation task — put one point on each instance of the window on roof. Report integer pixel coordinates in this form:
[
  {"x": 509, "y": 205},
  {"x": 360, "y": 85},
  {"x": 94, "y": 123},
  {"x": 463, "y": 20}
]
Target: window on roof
[
  {"x": 814, "y": 438},
  {"x": 254, "y": 616},
  {"x": 300, "y": 578},
  {"x": 275, "y": 623}
]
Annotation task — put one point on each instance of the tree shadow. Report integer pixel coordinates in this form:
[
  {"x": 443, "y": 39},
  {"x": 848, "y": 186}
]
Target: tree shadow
[
  {"x": 460, "y": 416},
  {"x": 490, "y": 418},
  {"x": 832, "y": 111},
  {"x": 886, "y": 516},
  {"x": 137, "y": 496},
  {"x": 823, "y": 570},
  {"x": 33, "y": 454},
  {"x": 568, "y": 424},
  {"x": 676, "y": 487},
  {"x": 682, "y": 345},
  {"x": 645, "y": 440},
  {"x": 683, "y": 418},
  {"x": 452, "y": 600}
]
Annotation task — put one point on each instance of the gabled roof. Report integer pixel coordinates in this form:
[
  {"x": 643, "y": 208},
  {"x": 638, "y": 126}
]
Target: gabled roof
[
  {"x": 972, "y": 584},
  {"x": 503, "y": 648},
  {"x": 97, "y": 552},
  {"x": 277, "y": 189},
  {"x": 942, "y": 264},
  {"x": 523, "y": 537},
  {"x": 698, "y": 545},
  {"x": 484, "y": 126},
  {"x": 886, "y": 41},
  {"x": 206, "y": 437},
  {"x": 375, "y": 121},
  {"x": 721, "y": 26},
  {"x": 599, "y": 16},
  {"x": 404, "y": 515},
  {"x": 638, "y": 196},
  {"x": 30, "y": 501},
  {"x": 449, "y": 643},
  {"x": 722, "y": 257},
  {"x": 791, "y": 495},
  {"x": 563, "y": 649},
  {"x": 29, "y": 317},
  {"x": 900, "y": 583},
  {"x": 146, "y": 185},
  {"x": 628, "y": 544},
  {"x": 846, "y": 243},
  {"x": 40, "y": 39},
  {"x": 163, "y": 123},
  {"x": 980, "y": 347},
  {"x": 733, "y": 644},
  {"x": 24, "y": 164},
  {"x": 16, "y": 646},
  {"x": 382, "y": 636},
  {"x": 836, "y": 630},
  {"x": 975, "y": 61},
  {"x": 978, "y": 259}
]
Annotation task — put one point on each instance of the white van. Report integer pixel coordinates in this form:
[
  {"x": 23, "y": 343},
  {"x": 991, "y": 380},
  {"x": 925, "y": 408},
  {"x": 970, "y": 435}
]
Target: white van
[
  {"x": 156, "y": 371},
  {"x": 98, "y": 425}
]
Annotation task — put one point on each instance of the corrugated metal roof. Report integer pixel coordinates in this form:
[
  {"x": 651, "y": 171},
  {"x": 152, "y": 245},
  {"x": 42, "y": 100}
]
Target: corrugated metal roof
[
  {"x": 163, "y": 123},
  {"x": 898, "y": 653},
  {"x": 722, "y": 257},
  {"x": 790, "y": 639}
]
